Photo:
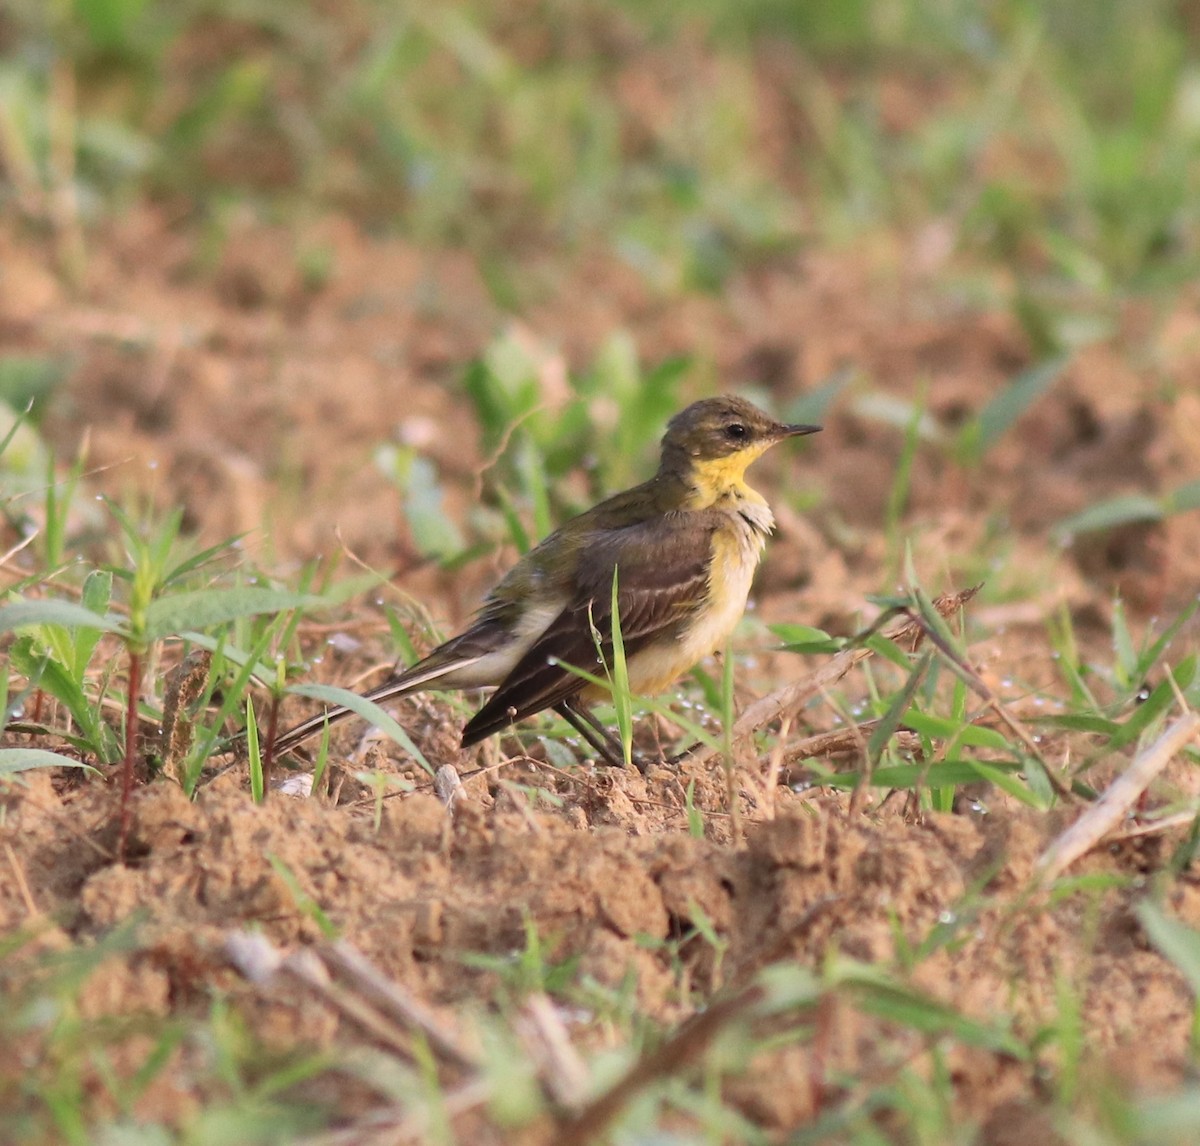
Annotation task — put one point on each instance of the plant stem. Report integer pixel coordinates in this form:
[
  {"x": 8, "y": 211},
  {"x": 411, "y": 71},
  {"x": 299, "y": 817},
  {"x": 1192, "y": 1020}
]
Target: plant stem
[{"x": 131, "y": 736}]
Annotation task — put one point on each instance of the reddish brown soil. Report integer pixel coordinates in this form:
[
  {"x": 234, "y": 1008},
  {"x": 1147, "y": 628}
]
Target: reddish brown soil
[{"x": 257, "y": 404}]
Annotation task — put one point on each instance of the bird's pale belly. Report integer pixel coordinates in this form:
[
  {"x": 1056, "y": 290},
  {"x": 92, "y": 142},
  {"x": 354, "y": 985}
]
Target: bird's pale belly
[{"x": 735, "y": 557}]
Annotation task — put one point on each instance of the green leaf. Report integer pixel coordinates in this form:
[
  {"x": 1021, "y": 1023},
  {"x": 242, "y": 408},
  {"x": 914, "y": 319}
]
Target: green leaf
[
  {"x": 231, "y": 701},
  {"x": 942, "y": 728},
  {"x": 190, "y": 564},
  {"x": 531, "y": 466},
  {"x": 206, "y": 608},
  {"x": 1115, "y": 511},
  {"x": 254, "y": 753},
  {"x": 433, "y": 532},
  {"x": 890, "y": 721},
  {"x": 889, "y": 650},
  {"x": 944, "y": 774},
  {"x": 1127, "y": 660},
  {"x": 1173, "y": 939},
  {"x": 1149, "y": 657},
  {"x": 1184, "y": 498},
  {"x": 998, "y": 416},
  {"x": 54, "y": 679},
  {"x": 1009, "y": 783},
  {"x": 805, "y": 639},
  {"x": 27, "y": 380},
  {"x": 878, "y": 995},
  {"x": 1159, "y": 700},
  {"x": 622, "y": 698},
  {"x": 13, "y": 760},
  {"x": 97, "y": 592},
  {"x": 48, "y": 612},
  {"x": 368, "y": 710},
  {"x": 517, "y": 533}
]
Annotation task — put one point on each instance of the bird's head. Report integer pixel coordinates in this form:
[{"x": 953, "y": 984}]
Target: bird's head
[{"x": 711, "y": 442}]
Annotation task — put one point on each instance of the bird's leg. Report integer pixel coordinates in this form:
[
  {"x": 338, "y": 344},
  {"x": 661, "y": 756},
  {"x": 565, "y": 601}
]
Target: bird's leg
[{"x": 581, "y": 718}]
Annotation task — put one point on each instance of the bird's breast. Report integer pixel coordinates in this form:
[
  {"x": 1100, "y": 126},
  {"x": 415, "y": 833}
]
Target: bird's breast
[{"x": 736, "y": 548}]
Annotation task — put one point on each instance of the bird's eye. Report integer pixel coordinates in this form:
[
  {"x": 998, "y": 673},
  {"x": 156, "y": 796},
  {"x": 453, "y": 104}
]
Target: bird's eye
[{"x": 735, "y": 431}]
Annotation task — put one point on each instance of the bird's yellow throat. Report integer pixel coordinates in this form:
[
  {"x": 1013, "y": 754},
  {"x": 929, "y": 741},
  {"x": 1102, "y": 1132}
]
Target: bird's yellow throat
[{"x": 714, "y": 479}]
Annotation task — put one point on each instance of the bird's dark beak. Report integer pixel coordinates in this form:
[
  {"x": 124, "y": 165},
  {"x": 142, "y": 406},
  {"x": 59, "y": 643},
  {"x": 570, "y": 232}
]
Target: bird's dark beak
[{"x": 797, "y": 431}]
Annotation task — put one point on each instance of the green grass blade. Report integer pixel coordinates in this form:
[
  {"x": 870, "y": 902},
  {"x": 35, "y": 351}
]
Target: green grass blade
[
  {"x": 14, "y": 760},
  {"x": 999, "y": 415},
  {"x": 900, "y": 704},
  {"x": 622, "y": 699},
  {"x": 1123, "y": 510},
  {"x": 1007, "y": 782},
  {"x": 254, "y": 753},
  {"x": 1161, "y": 697},
  {"x": 1177, "y": 941},
  {"x": 944, "y": 774},
  {"x": 368, "y": 710}
]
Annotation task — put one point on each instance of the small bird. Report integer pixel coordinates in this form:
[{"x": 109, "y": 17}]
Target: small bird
[{"x": 684, "y": 547}]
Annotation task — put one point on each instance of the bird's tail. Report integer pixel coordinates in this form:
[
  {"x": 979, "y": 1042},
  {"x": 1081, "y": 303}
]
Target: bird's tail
[{"x": 424, "y": 674}]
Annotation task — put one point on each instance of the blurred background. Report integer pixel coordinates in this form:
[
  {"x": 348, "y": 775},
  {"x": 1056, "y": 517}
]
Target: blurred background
[
  {"x": 423, "y": 278},
  {"x": 405, "y": 284}
]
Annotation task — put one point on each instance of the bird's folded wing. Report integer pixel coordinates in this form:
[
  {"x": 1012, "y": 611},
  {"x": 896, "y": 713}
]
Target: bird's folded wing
[{"x": 662, "y": 570}]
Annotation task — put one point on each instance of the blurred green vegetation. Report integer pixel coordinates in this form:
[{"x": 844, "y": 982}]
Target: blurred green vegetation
[
  {"x": 694, "y": 138},
  {"x": 1051, "y": 147}
]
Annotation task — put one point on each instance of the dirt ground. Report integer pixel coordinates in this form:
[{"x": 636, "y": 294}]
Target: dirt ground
[{"x": 257, "y": 402}]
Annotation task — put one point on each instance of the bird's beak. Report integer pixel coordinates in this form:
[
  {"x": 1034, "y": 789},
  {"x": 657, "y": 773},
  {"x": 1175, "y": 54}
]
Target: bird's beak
[{"x": 797, "y": 431}]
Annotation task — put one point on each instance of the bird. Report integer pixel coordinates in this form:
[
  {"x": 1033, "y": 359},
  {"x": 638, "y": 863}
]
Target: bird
[{"x": 683, "y": 548}]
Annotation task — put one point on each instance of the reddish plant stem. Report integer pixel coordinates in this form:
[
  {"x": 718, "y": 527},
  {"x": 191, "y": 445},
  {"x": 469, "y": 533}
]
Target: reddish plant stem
[{"x": 131, "y": 737}]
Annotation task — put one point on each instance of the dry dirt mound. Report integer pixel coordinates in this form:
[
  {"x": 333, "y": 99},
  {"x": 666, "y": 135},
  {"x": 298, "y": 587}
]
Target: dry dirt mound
[{"x": 602, "y": 884}]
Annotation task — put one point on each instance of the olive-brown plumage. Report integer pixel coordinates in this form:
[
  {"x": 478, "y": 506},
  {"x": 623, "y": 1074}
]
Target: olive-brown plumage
[{"x": 684, "y": 546}]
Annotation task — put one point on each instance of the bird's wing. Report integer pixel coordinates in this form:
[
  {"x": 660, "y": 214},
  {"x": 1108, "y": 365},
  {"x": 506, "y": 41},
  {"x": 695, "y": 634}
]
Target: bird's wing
[{"x": 662, "y": 579}]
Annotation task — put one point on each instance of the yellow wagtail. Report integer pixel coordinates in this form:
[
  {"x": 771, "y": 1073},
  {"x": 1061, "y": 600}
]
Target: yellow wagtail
[{"x": 684, "y": 546}]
